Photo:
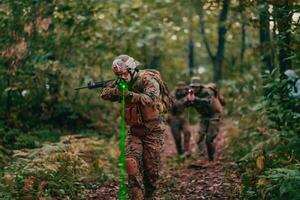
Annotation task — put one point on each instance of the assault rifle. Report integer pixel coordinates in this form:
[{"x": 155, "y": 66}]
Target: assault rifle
[{"x": 92, "y": 85}]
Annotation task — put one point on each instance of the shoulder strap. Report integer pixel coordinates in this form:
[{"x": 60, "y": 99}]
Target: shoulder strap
[{"x": 165, "y": 97}]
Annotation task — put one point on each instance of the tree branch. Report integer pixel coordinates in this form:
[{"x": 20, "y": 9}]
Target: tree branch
[{"x": 205, "y": 40}]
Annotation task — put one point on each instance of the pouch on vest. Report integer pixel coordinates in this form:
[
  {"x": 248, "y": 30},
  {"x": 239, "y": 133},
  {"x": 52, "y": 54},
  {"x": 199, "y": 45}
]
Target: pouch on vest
[{"x": 133, "y": 115}]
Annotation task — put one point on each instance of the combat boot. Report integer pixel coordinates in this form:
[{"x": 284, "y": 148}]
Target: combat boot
[{"x": 210, "y": 151}]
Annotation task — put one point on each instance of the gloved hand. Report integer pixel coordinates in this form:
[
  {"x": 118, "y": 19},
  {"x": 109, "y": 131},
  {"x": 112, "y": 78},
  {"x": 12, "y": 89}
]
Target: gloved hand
[
  {"x": 190, "y": 97},
  {"x": 118, "y": 80},
  {"x": 122, "y": 85}
]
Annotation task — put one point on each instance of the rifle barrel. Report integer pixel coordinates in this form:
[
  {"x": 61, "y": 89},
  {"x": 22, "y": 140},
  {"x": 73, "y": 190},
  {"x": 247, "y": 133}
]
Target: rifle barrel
[
  {"x": 94, "y": 85},
  {"x": 82, "y": 87}
]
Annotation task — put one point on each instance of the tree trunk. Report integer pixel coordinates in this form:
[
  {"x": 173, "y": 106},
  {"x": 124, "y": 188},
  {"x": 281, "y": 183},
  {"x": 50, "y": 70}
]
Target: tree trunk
[
  {"x": 155, "y": 59},
  {"x": 205, "y": 39},
  {"x": 8, "y": 99},
  {"x": 145, "y": 51},
  {"x": 264, "y": 37},
  {"x": 243, "y": 37},
  {"x": 284, "y": 14},
  {"x": 191, "y": 52},
  {"x": 217, "y": 60},
  {"x": 222, "y": 40}
]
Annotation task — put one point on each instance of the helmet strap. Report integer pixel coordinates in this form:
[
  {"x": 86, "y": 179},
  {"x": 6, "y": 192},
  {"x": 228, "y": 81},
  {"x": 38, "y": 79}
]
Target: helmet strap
[{"x": 133, "y": 73}]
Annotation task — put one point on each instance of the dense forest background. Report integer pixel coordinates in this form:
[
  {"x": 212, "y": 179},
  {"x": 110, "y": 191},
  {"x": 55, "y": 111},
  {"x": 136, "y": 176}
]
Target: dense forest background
[{"x": 47, "y": 48}]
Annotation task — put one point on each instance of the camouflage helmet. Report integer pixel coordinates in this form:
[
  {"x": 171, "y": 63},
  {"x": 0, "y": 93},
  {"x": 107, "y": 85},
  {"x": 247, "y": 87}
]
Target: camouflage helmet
[
  {"x": 124, "y": 63},
  {"x": 195, "y": 81}
]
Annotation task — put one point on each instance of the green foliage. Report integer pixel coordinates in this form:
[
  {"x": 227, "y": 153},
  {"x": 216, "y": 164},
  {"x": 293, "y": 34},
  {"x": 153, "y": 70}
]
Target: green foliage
[
  {"x": 80, "y": 44},
  {"x": 15, "y": 139},
  {"x": 46, "y": 135},
  {"x": 4, "y": 157},
  {"x": 242, "y": 94},
  {"x": 26, "y": 141},
  {"x": 280, "y": 183},
  {"x": 60, "y": 170},
  {"x": 9, "y": 137},
  {"x": 268, "y": 152},
  {"x": 279, "y": 106}
]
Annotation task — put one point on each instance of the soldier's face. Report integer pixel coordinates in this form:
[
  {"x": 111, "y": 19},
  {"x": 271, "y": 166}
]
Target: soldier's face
[
  {"x": 125, "y": 75},
  {"x": 196, "y": 89},
  {"x": 181, "y": 90}
]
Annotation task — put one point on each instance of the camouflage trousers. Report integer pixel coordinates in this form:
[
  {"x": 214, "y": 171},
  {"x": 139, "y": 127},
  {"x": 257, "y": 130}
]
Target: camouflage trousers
[
  {"x": 209, "y": 128},
  {"x": 143, "y": 148},
  {"x": 179, "y": 125}
]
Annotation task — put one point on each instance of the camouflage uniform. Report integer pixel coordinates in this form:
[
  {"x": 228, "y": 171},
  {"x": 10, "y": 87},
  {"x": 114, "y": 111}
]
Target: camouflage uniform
[
  {"x": 177, "y": 121},
  {"x": 207, "y": 104},
  {"x": 145, "y": 137}
]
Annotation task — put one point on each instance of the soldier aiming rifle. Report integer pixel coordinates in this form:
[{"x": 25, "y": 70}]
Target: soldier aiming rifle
[
  {"x": 209, "y": 103},
  {"x": 146, "y": 98}
]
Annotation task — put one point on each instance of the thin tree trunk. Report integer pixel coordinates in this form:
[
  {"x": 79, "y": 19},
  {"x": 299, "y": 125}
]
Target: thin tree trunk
[
  {"x": 191, "y": 51},
  {"x": 264, "y": 36},
  {"x": 145, "y": 50},
  {"x": 283, "y": 14},
  {"x": 221, "y": 41},
  {"x": 217, "y": 60},
  {"x": 204, "y": 38},
  {"x": 8, "y": 99},
  {"x": 155, "y": 59},
  {"x": 243, "y": 37}
]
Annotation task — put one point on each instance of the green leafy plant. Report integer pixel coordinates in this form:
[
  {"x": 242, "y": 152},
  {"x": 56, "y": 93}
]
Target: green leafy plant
[{"x": 280, "y": 183}]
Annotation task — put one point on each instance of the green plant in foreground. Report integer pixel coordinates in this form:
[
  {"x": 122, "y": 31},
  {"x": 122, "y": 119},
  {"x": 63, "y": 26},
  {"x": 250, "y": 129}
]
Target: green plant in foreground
[{"x": 280, "y": 183}]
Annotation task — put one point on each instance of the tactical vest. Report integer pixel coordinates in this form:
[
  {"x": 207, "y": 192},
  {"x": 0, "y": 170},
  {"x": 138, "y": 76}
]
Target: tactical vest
[
  {"x": 214, "y": 107},
  {"x": 138, "y": 114},
  {"x": 177, "y": 107}
]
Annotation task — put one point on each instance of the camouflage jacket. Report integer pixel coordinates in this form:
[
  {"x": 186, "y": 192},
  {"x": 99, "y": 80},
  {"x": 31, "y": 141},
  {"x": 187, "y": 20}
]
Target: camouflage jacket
[
  {"x": 143, "y": 101},
  {"x": 179, "y": 103},
  {"x": 206, "y": 102}
]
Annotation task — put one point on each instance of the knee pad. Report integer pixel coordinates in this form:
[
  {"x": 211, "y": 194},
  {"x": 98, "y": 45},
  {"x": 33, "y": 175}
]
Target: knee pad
[{"x": 132, "y": 167}]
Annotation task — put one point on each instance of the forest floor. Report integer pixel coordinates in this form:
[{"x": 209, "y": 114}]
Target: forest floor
[{"x": 191, "y": 178}]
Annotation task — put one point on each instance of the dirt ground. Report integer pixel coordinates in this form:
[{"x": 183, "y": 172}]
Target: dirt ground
[{"x": 191, "y": 178}]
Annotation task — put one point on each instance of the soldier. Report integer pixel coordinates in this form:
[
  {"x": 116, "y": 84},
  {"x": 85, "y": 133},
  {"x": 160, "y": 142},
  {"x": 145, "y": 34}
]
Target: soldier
[
  {"x": 294, "y": 81},
  {"x": 146, "y": 98},
  {"x": 177, "y": 121},
  {"x": 208, "y": 102},
  {"x": 294, "y": 90}
]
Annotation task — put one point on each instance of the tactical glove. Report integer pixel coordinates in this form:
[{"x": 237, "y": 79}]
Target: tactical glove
[{"x": 122, "y": 85}]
